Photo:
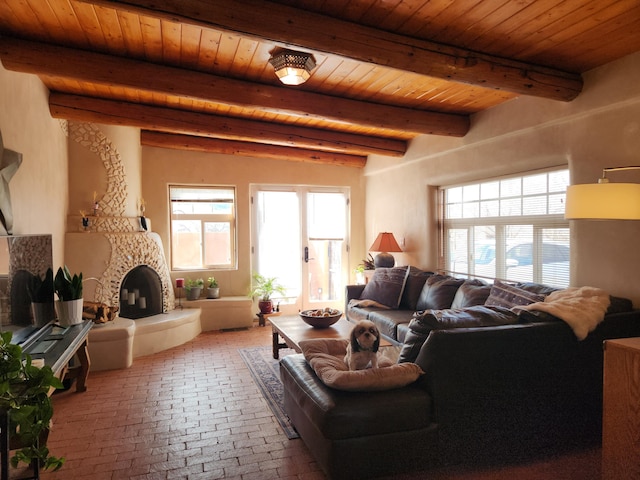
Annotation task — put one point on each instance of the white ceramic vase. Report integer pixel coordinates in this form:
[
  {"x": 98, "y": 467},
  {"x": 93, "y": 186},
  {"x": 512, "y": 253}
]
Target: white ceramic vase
[{"x": 69, "y": 312}]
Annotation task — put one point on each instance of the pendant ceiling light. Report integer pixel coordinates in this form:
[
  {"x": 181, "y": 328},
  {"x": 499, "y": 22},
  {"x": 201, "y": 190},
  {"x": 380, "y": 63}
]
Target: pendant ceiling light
[{"x": 292, "y": 68}]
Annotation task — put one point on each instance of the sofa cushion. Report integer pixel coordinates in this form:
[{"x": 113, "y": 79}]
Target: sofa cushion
[
  {"x": 403, "y": 330},
  {"x": 424, "y": 322},
  {"x": 506, "y": 295},
  {"x": 387, "y": 321},
  {"x": 386, "y": 286},
  {"x": 416, "y": 279},
  {"x": 619, "y": 305},
  {"x": 471, "y": 292},
  {"x": 355, "y": 312},
  {"x": 476, "y": 316},
  {"x": 536, "y": 288},
  {"x": 438, "y": 292},
  {"x": 326, "y": 357}
]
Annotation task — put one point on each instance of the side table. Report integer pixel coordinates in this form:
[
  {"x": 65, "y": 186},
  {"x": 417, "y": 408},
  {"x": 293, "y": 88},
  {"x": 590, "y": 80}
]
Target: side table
[
  {"x": 621, "y": 416},
  {"x": 262, "y": 317}
]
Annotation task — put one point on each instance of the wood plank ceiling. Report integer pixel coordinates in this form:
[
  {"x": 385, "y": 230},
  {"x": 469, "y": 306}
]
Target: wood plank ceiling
[{"x": 195, "y": 74}]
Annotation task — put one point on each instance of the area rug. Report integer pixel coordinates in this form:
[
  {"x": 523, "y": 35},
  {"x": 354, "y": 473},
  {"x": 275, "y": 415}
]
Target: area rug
[{"x": 265, "y": 371}]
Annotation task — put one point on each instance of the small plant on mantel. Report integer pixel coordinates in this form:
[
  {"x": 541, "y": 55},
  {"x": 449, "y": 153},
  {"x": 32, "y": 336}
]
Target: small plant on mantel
[{"x": 24, "y": 396}]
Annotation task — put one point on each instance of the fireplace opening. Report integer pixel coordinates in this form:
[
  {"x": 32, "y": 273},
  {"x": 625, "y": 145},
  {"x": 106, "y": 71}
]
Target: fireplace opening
[{"x": 141, "y": 293}]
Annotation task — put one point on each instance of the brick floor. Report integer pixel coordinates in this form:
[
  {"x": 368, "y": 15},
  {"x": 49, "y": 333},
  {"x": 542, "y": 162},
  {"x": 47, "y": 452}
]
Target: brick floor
[{"x": 192, "y": 412}]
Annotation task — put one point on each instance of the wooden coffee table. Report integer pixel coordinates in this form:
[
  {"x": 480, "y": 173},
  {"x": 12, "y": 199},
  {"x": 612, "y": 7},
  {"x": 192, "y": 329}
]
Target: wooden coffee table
[{"x": 293, "y": 329}]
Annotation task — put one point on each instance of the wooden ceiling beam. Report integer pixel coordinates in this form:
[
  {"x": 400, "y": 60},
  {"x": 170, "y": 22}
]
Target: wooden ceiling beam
[
  {"x": 295, "y": 28},
  {"x": 230, "y": 147},
  {"x": 90, "y": 109},
  {"x": 44, "y": 59}
]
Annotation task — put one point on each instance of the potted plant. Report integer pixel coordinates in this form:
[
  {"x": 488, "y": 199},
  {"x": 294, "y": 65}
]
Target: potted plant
[
  {"x": 213, "y": 291},
  {"x": 361, "y": 270},
  {"x": 368, "y": 263},
  {"x": 68, "y": 288},
  {"x": 263, "y": 288},
  {"x": 24, "y": 399},
  {"x": 193, "y": 288},
  {"x": 41, "y": 292}
]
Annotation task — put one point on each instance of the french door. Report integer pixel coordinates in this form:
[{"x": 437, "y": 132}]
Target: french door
[{"x": 300, "y": 236}]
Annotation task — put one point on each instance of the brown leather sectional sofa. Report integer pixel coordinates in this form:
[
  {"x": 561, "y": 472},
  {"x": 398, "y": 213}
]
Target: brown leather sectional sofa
[{"x": 494, "y": 390}]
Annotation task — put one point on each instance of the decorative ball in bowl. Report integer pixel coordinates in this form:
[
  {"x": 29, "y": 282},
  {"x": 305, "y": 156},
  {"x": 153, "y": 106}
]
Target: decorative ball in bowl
[{"x": 321, "y": 317}]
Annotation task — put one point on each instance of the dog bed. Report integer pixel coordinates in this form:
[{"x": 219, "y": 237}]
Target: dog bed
[{"x": 326, "y": 358}]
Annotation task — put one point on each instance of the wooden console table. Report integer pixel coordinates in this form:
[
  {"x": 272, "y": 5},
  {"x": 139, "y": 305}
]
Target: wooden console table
[{"x": 59, "y": 354}]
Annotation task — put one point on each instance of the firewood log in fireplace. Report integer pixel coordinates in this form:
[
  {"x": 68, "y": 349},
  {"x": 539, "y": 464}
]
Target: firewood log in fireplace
[{"x": 98, "y": 312}]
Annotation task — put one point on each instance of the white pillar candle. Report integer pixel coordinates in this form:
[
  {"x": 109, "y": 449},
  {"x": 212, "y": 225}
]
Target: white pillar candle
[
  {"x": 142, "y": 302},
  {"x": 136, "y": 291},
  {"x": 124, "y": 294},
  {"x": 132, "y": 299}
]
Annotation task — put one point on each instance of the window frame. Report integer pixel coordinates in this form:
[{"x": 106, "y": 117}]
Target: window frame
[
  {"x": 540, "y": 224},
  {"x": 205, "y": 218}
]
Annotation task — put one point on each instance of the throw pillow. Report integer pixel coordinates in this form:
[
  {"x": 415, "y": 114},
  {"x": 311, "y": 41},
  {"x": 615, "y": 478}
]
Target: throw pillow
[
  {"x": 326, "y": 357},
  {"x": 416, "y": 279},
  {"x": 438, "y": 292},
  {"x": 506, "y": 295},
  {"x": 386, "y": 286},
  {"x": 471, "y": 292}
]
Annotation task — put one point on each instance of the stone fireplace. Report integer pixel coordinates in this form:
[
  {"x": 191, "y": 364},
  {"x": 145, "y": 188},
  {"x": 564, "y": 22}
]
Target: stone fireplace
[
  {"x": 108, "y": 240},
  {"x": 122, "y": 261}
]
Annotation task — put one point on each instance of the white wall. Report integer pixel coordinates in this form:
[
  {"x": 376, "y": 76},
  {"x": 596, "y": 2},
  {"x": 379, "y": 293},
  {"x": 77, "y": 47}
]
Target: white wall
[
  {"x": 39, "y": 188},
  {"x": 160, "y": 167},
  {"x": 601, "y": 128}
]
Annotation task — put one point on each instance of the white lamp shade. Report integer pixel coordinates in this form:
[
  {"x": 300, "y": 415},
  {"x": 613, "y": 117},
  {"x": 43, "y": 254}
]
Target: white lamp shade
[
  {"x": 603, "y": 201},
  {"x": 293, "y": 75}
]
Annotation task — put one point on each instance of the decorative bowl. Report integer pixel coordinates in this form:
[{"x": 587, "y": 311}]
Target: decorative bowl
[{"x": 321, "y": 317}]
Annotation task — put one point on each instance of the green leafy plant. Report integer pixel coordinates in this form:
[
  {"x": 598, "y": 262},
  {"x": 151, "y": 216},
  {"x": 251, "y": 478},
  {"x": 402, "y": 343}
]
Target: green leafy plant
[
  {"x": 68, "y": 287},
  {"x": 41, "y": 289},
  {"x": 197, "y": 283},
  {"x": 212, "y": 282},
  {"x": 24, "y": 395},
  {"x": 264, "y": 287},
  {"x": 367, "y": 264}
]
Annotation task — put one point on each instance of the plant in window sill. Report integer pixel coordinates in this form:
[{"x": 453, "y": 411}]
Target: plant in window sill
[
  {"x": 193, "y": 288},
  {"x": 213, "y": 291}
]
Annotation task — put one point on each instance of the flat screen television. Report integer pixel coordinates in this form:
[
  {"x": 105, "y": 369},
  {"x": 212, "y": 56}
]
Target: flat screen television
[{"x": 22, "y": 258}]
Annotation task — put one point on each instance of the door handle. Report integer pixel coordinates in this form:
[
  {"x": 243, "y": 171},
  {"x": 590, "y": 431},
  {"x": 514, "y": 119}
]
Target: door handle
[{"x": 306, "y": 255}]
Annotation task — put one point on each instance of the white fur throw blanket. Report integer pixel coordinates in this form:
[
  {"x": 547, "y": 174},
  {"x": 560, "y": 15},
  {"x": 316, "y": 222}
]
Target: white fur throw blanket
[{"x": 582, "y": 308}]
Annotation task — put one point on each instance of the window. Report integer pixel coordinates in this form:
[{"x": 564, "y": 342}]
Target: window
[
  {"x": 512, "y": 228},
  {"x": 203, "y": 227}
]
